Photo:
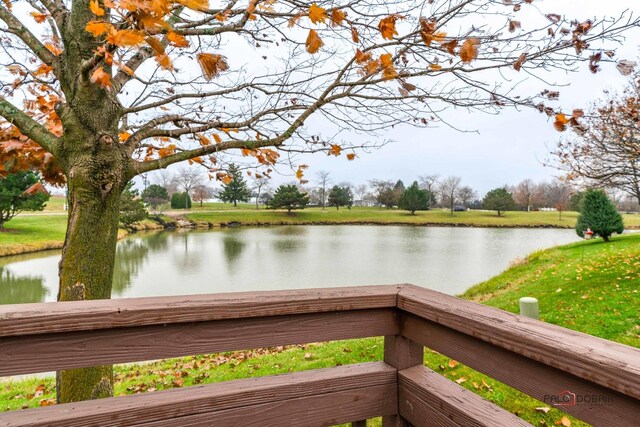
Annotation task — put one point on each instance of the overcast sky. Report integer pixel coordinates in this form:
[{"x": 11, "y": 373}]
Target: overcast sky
[{"x": 494, "y": 150}]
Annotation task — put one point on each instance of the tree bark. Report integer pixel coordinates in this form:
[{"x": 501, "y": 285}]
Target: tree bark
[{"x": 88, "y": 257}]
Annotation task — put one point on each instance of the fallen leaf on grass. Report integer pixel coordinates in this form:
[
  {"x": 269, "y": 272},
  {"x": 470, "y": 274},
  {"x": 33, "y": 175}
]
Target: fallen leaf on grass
[
  {"x": 544, "y": 409},
  {"x": 47, "y": 402}
]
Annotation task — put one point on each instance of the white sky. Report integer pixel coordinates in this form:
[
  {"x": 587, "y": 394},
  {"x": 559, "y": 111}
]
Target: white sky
[{"x": 498, "y": 150}]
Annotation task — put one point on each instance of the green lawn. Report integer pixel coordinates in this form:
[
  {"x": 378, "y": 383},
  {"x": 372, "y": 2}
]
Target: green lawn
[
  {"x": 587, "y": 286},
  {"x": 55, "y": 204},
  {"x": 358, "y": 215},
  {"x": 32, "y": 233}
]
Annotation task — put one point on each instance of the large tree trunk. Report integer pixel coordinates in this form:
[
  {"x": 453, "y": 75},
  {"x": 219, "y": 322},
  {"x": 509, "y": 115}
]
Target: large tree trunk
[
  {"x": 97, "y": 169},
  {"x": 86, "y": 267}
]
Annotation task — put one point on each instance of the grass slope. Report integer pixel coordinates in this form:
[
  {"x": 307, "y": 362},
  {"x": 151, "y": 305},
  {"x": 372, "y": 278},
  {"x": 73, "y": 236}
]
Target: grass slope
[
  {"x": 587, "y": 286},
  {"x": 32, "y": 233},
  {"x": 356, "y": 215}
]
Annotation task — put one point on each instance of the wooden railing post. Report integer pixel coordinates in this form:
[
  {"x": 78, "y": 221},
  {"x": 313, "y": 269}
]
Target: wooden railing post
[{"x": 401, "y": 353}]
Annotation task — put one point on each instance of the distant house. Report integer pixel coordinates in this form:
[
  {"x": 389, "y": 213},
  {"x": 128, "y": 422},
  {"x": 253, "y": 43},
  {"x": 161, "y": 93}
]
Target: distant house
[{"x": 365, "y": 203}]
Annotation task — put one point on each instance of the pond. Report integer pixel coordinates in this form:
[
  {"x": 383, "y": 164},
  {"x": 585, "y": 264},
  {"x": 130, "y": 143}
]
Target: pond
[{"x": 447, "y": 259}]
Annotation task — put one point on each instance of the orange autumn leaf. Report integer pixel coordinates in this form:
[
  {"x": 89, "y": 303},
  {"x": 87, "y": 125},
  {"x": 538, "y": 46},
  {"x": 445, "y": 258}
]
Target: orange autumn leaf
[
  {"x": 123, "y": 136},
  {"x": 469, "y": 50},
  {"x": 559, "y": 126},
  {"x": 299, "y": 174},
  {"x": 126, "y": 38},
  {"x": 388, "y": 71},
  {"x": 351, "y": 156},
  {"x": 222, "y": 16},
  {"x": 435, "y": 67},
  {"x": 164, "y": 61},
  {"x": 354, "y": 35},
  {"x": 53, "y": 48},
  {"x": 361, "y": 57},
  {"x": 124, "y": 68},
  {"x": 317, "y": 14},
  {"x": 387, "y": 27},
  {"x": 518, "y": 64},
  {"x": 217, "y": 138},
  {"x": 562, "y": 119},
  {"x": 224, "y": 177},
  {"x": 314, "y": 42},
  {"x": 39, "y": 17},
  {"x": 335, "y": 150},
  {"x": 97, "y": 28},
  {"x": 203, "y": 140},
  {"x": 450, "y": 46},
  {"x": 95, "y": 8},
  {"x": 337, "y": 16},
  {"x": 177, "y": 40},
  {"x": 43, "y": 70},
  {"x": 152, "y": 23},
  {"x": 212, "y": 64},
  {"x": 155, "y": 44},
  {"x": 101, "y": 78},
  {"x": 372, "y": 67}
]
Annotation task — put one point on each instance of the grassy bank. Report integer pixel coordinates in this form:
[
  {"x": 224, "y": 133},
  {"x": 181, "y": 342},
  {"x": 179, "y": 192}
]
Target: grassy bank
[
  {"x": 40, "y": 231},
  {"x": 383, "y": 216},
  {"x": 25, "y": 234},
  {"x": 588, "y": 286}
]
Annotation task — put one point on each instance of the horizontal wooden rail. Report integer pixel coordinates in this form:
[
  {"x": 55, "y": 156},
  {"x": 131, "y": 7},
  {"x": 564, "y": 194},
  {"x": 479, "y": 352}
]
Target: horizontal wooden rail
[
  {"x": 508, "y": 348},
  {"x": 314, "y": 398},
  {"x": 603, "y": 362},
  {"x": 539, "y": 359},
  {"x": 75, "y": 316},
  {"x": 426, "y": 395},
  {"x": 30, "y": 354}
]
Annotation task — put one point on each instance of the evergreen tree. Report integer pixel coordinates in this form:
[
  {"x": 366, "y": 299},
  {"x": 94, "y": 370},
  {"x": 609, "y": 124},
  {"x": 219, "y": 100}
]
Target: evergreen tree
[
  {"x": 289, "y": 198},
  {"x": 155, "y": 195},
  {"x": 599, "y": 214},
  {"x": 340, "y": 196},
  {"x": 414, "y": 199},
  {"x": 236, "y": 190},
  {"x": 499, "y": 200},
  {"x": 19, "y": 192},
  {"x": 180, "y": 201},
  {"x": 132, "y": 208}
]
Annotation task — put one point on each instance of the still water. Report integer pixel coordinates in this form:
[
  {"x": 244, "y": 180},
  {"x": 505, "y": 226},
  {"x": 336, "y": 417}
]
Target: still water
[{"x": 447, "y": 259}]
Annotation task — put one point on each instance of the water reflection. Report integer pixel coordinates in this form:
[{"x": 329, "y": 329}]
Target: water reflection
[
  {"x": 232, "y": 246},
  {"x": 130, "y": 254},
  {"x": 23, "y": 289},
  {"x": 447, "y": 259}
]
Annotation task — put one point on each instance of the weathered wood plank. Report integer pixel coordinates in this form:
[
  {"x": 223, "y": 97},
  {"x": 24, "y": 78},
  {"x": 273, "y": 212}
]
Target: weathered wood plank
[
  {"x": 429, "y": 399},
  {"x": 313, "y": 411},
  {"x": 401, "y": 353},
  {"x": 30, "y": 354},
  {"x": 529, "y": 376},
  {"x": 341, "y": 393},
  {"x": 44, "y": 318},
  {"x": 610, "y": 364}
]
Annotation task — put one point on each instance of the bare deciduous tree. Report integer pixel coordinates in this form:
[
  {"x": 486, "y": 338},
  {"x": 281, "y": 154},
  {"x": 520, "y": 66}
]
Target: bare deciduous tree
[
  {"x": 524, "y": 193},
  {"x": 466, "y": 195},
  {"x": 323, "y": 184},
  {"x": 449, "y": 188},
  {"x": 605, "y": 150}
]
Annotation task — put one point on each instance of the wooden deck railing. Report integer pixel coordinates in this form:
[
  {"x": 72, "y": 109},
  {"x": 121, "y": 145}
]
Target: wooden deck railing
[{"x": 539, "y": 359}]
